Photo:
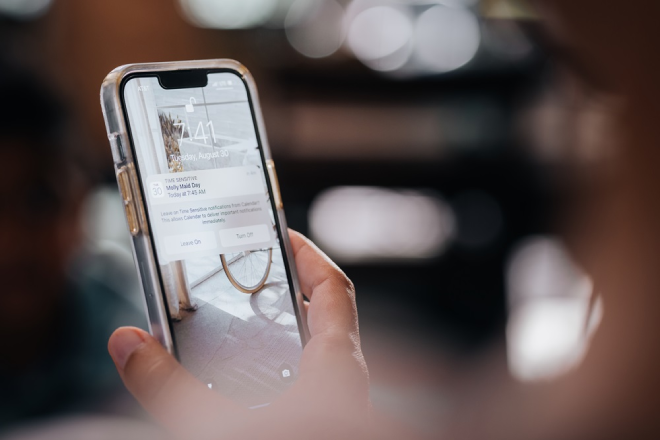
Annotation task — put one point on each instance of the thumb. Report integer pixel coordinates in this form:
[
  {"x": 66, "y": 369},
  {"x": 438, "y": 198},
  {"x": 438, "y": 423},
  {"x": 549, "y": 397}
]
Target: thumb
[{"x": 162, "y": 386}]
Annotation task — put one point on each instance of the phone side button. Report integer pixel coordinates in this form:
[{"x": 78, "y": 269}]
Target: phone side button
[
  {"x": 131, "y": 217},
  {"x": 272, "y": 174},
  {"x": 124, "y": 182},
  {"x": 116, "y": 146},
  {"x": 124, "y": 185},
  {"x": 136, "y": 197}
]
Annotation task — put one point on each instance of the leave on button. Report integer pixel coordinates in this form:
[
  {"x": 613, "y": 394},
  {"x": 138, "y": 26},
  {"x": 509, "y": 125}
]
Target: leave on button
[
  {"x": 198, "y": 241},
  {"x": 244, "y": 235}
]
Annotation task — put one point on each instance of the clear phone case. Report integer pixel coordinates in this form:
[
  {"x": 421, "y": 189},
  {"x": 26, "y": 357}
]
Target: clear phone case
[{"x": 131, "y": 192}]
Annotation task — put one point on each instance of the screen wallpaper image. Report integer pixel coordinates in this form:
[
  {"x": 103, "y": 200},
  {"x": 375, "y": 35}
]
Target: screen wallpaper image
[{"x": 220, "y": 258}]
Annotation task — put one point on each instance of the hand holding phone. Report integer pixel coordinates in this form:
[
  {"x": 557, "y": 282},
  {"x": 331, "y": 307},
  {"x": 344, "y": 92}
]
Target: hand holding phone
[
  {"x": 207, "y": 223},
  {"x": 330, "y": 395}
]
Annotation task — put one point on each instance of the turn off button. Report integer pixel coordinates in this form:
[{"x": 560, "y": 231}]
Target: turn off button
[{"x": 244, "y": 235}]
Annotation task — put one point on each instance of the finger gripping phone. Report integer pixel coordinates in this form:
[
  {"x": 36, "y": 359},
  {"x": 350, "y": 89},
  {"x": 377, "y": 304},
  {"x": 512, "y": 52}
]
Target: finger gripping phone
[{"x": 208, "y": 230}]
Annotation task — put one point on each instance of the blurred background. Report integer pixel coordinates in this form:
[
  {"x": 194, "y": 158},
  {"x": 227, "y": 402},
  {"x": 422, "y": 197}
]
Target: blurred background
[{"x": 420, "y": 143}]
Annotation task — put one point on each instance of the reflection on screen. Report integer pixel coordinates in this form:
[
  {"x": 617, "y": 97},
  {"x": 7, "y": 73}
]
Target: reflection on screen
[{"x": 214, "y": 230}]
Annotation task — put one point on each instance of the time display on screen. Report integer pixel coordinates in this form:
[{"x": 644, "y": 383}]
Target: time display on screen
[{"x": 203, "y": 132}]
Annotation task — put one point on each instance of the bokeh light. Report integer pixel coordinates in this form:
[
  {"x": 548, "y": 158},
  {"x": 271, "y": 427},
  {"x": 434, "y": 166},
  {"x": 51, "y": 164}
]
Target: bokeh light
[
  {"x": 380, "y": 37},
  {"x": 446, "y": 38},
  {"x": 228, "y": 14},
  {"x": 550, "y": 313},
  {"x": 279, "y": 13},
  {"x": 361, "y": 224},
  {"x": 406, "y": 38},
  {"x": 457, "y": 3},
  {"x": 315, "y": 28},
  {"x": 24, "y": 9}
]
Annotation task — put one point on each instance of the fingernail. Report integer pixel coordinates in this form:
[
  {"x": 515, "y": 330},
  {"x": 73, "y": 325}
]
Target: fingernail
[{"x": 123, "y": 343}]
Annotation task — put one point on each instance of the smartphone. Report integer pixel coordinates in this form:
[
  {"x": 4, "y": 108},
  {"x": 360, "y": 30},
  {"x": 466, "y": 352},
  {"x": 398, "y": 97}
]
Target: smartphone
[{"x": 205, "y": 214}]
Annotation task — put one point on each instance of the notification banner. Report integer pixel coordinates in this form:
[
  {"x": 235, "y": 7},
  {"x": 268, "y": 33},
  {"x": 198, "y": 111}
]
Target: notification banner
[
  {"x": 210, "y": 212},
  {"x": 204, "y": 185}
]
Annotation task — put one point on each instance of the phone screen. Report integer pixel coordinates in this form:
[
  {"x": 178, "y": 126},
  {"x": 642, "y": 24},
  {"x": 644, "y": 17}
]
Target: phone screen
[{"x": 223, "y": 270}]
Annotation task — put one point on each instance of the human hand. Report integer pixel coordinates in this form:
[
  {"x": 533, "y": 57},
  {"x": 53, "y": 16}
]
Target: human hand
[{"x": 330, "y": 397}]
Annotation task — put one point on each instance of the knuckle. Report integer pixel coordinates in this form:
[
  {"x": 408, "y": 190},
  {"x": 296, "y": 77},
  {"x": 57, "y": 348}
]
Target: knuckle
[
  {"x": 348, "y": 285},
  {"x": 337, "y": 283},
  {"x": 340, "y": 278}
]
